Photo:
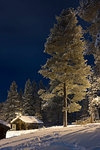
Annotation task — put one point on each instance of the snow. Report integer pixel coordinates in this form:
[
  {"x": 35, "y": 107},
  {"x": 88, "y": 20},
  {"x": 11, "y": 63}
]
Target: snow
[
  {"x": 96, "y": 101},
  {"x": 10, "y": 134},
  {"x": 85, "y": 137},
  {"x": 27, "y": 119}
]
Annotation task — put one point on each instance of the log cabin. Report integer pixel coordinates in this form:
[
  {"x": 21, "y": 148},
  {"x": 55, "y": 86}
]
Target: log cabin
[{"x": 26, "y": 123}]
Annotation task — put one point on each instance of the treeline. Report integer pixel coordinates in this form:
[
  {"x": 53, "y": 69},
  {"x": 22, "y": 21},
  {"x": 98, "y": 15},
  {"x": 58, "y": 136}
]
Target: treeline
[{"x": 27, "y": 102}]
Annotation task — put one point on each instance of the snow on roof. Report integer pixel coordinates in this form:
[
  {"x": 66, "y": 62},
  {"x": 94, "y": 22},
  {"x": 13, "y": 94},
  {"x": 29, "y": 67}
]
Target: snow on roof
[
  {"x": 4, "y": 123},
  {"x": 27, "y": 119}
]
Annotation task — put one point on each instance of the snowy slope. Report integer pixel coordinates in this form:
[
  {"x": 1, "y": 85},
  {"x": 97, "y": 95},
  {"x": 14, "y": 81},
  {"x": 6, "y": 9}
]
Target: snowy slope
[{"x": 56, "y": 138}]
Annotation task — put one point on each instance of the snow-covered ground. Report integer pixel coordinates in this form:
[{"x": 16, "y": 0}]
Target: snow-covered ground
[
  {"x": 10, "y": 134},
  {"x": 85, "y": 137}
]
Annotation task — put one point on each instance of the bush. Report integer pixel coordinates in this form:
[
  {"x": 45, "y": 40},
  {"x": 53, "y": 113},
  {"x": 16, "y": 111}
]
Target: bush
[{"x": 83, "y": 121}]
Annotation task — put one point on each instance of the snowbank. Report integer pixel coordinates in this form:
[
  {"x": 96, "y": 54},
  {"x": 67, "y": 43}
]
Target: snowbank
[{"x": 10, "y": 134}]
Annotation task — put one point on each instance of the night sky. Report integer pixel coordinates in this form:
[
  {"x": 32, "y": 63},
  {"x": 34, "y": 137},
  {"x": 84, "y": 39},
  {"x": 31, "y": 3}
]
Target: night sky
[{"x": 24, "y": 27}]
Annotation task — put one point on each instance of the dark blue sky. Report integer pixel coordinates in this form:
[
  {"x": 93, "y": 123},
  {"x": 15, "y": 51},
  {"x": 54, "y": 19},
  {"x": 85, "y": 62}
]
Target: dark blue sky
[{"x": 24, "y": 27}]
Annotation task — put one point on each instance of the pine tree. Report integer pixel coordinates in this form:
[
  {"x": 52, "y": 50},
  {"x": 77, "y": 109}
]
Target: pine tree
[
  {"x": 89, "y": 10},
  {"x": 67, "y": 65},
  {"x": 34, "y": 93},
  {"x": 35, "y": 97},
  {"x": 20, "y": 97},
  {"x": 28, "y": 107},
  {"x": 12, "y": 104},
  {"x": 21, "y": 94},
  {"x": 2, "y": 113}
]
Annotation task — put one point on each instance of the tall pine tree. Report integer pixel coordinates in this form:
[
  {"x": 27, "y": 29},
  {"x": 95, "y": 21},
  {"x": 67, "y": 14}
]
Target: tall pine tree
[{"x": 67, "y": 66}]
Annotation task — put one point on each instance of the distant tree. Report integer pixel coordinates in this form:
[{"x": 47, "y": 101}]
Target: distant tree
[
  {"x": 28, "y": 106},
  {"x": 12, "y": 104},
  {"x": 20, "y": 94},
  {"x": 41, "y": 85},
  {"x": 34, "y": 92},
  {"x": 36, "y": 100},
  {"x": 20, "y": 97},
  {"x": 2, "y": 113},
  {"x": 67, "y": 68}
]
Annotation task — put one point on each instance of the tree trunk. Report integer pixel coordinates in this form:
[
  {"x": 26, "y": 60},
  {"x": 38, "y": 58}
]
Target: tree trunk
[
  {"x": 92, "y": 118},
  {"x": 65, "y": 107}
]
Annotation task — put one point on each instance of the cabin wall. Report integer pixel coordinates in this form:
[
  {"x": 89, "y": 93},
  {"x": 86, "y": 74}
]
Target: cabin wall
[{"x": 19, "y": 125}]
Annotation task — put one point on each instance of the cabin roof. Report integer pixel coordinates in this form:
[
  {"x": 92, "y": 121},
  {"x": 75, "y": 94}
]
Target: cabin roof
[
  {"x": 4, "y": 123},
  {"x": 27, "y": 119}
]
